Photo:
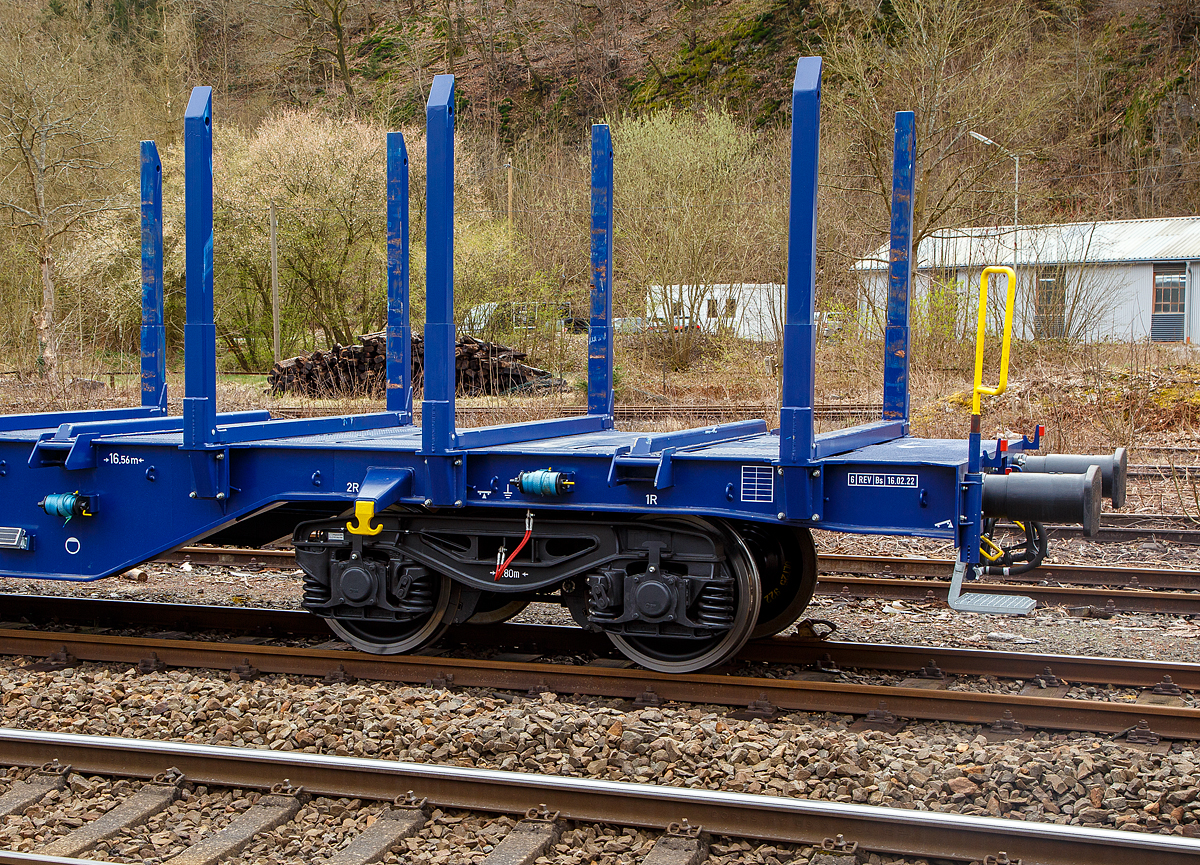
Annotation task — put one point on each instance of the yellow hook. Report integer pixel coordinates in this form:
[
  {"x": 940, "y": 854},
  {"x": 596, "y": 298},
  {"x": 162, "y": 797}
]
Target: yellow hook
[{"x": 364, "y": 512}]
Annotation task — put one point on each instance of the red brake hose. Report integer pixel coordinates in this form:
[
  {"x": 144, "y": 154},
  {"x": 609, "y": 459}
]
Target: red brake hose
[{"x": 500, "y": 569}]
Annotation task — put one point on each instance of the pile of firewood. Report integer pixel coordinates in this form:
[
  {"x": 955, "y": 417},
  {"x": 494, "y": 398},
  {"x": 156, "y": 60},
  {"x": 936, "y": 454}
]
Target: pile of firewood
[{"x": 357, "y": 370}]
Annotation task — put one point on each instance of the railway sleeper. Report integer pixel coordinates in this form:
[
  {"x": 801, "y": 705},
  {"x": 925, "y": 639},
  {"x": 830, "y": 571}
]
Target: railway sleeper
[
  {"x": 272, "y": 810},
  {"x": 138, "y": 808}
]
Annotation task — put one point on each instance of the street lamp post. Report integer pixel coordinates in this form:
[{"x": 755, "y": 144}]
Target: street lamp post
[{"x": 1016, "y": 158}]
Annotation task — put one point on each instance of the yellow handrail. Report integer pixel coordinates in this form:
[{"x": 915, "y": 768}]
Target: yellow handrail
[{"x": 980, "y": 387}]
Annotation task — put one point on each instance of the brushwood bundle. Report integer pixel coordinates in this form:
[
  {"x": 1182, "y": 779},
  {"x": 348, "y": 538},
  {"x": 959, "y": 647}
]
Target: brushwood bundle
[{"x": 480, "y": 368}]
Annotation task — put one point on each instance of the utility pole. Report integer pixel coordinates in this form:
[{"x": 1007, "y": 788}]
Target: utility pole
[
  {"x": 510, "y": 234},
  {"x": 275, "y": 281},
  {"x": 1016, "y": 197},
  {"x": 1016, "y": 158}
]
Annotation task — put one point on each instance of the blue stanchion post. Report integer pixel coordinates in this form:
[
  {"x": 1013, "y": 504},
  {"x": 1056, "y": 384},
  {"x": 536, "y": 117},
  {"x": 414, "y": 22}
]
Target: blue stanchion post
[
  {"x": 896, "y": 334},
  {"x": 399, "y": 328},
  {"x": 799, "y": 329},
  {"x": 600, "y": 329},
  {"x": 199, "y": 331},
  {"x": 801, "y": 495},
  {"x": 437, "y": 409},
  {"x": 154, "y": 333}
]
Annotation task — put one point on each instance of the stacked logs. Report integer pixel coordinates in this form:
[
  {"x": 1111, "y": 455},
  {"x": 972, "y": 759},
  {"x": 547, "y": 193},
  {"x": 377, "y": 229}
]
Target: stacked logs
[{"x": 361, "y": 370}]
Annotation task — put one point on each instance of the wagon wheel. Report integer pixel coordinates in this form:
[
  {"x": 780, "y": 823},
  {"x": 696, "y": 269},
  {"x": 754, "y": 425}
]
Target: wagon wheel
[
  {"x": 679, "y": 655},
  {"x": 786, "y": 559},
  {"x": 385, "y": 637}
]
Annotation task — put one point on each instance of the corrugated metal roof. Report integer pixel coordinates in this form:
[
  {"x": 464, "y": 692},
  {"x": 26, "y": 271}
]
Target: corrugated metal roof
[{"x": 1128, "y": 240}]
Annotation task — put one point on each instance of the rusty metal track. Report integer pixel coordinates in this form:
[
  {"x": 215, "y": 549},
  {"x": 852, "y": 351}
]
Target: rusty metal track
[
  {"x": 202, "y": 555},
  {"x": 1116, "y": 535},
  {"x": 482, "y": 415},
  {"x": 800, "y": 695},
  {"x": 1073, "y": 575},
  {"x": 903, "y": 832},
  {"x": 1122, "y": 672},
  {"x": 1123, "y": 600},
  {"x": 566, "y": 640},
  {"x": 110, "y": 613},
  {"x": 11, "y": 857}
]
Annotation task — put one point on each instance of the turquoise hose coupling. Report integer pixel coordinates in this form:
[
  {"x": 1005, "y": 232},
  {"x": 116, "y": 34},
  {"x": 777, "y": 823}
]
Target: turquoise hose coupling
[
  {"x": 545, "y": 482},
  {"x": 67, "y": 505}
]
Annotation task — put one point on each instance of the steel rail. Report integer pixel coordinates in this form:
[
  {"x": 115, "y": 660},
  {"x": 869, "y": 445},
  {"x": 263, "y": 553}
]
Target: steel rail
[
  {"x": 1121, "y": 672},
  {"x": 789, "y": 694},
  {"x": 828, "y": 563},
  {"x": 12, "y": 857},
  {"x": 84, "y": 611},
  {"x": 633, "y": 411},
  {"x": 895, "y": 831},
  {"x": 202, "y": 555},
  {"x": 1123, "y": 600},
  {"x": 1117, "y": 535},
  {"x": 1075, "y": 575},
  {"x": 1134, "y": 519},
  {"x": 565, "y": 639}
]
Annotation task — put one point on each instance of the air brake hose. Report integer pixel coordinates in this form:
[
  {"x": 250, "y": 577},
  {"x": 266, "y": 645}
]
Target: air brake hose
[{"x": 501, "y": 568}]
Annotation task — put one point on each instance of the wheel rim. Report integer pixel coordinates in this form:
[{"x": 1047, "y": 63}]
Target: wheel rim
[
  {"x": 393, "y": 638},
  {"x": 668, "y": 655},
  {"x": 786, "y": 559},
  {"x": 494, "y": 608}
]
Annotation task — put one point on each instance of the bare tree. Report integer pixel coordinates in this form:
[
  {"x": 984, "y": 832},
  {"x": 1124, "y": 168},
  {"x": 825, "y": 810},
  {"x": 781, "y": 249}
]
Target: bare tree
[
  {"x": 961, "y": 65},
  {"x": 52, "y": 137},
  {"x": 329, "y": 30}
]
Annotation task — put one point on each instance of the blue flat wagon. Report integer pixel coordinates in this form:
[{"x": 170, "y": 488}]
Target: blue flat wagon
[{"x": 680, "y": 546}]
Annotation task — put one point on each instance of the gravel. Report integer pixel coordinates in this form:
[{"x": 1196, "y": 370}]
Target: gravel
[{"x": 950, "y": 767}]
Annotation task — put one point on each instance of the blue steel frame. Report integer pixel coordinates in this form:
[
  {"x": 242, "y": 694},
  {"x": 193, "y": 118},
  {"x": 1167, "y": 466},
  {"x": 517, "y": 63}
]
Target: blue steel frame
[
  {"x": 440, "y": 441},
  {"x": 896, "y": 332},
  {"x": 199, "y": 330},
  {"x": 154, "y": 331},
  {"x": 600, "y": 328},
  {"x": 437, "y": 408},
  {"x": 399, "y": 329},
  {"x": 184, "y": 471},
  {"x": 796, "y": 443}
]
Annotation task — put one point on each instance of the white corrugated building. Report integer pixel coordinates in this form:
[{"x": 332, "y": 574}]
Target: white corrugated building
[
  {"x": 748, "y": 310},
  {"x": 1126, "y": 279}
]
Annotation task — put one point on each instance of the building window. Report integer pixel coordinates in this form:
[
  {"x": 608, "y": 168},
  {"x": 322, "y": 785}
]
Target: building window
[
  {"x": 714, "y": 308},
  {"x": 1050, "y": 304},
  {"x": 1170, "y": 283}
]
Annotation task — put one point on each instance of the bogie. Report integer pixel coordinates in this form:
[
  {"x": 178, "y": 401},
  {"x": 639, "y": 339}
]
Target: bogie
[{"x": 673, "y": 594}]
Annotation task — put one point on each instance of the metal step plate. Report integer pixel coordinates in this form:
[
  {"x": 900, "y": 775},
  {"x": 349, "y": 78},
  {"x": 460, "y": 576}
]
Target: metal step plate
[
  {"x": 977, "y": 602},
  {"x": 1010, "y": 605}
]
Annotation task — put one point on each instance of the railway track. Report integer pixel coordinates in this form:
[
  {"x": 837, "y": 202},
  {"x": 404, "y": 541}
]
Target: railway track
[
  {"x": 1116, "y": 576},
  {"x": 1084, "y": 601},
  {"x": 547, "y": 801},
  {"x": 1086, "y": 575},
  {"x": 810, "y": 690},
  {"x": 543, "y": 640},
  {"x": 471, "y": 416},
  {"x": 1120, "y": 589}
]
